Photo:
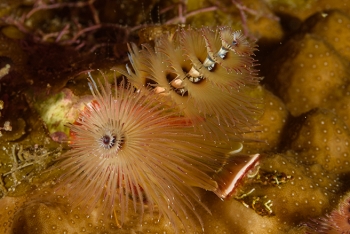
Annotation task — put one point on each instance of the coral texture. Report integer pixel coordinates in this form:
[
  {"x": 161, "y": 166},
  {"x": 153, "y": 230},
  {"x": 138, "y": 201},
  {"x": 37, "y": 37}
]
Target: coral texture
[{"x": 297, "y": 183}]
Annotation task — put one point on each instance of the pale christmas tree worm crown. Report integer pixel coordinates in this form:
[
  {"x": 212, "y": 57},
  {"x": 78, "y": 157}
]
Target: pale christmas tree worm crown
[{"x": 207, "y": 73}]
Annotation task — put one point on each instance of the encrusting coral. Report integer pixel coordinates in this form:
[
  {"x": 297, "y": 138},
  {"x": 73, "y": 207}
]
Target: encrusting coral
[
  {"x": 321, "y": 137},
  {"x": 317, "y": 58},
  {"x": 332, "y": 26},
  {"x": 312, "y": 63},
  {"x": 300, "y": 176},
  {"x": 269, "y": 129},
  {"x": 283, "y": 186}
]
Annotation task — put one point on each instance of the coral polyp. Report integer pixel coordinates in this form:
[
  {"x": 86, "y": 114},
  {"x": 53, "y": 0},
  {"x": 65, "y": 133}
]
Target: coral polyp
[{"x": 129, "y": 148}]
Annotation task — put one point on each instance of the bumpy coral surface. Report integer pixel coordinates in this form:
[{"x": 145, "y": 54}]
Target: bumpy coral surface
[
  {"x": 320, "y": 137},
  {"x": 301, "y": 182}
]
